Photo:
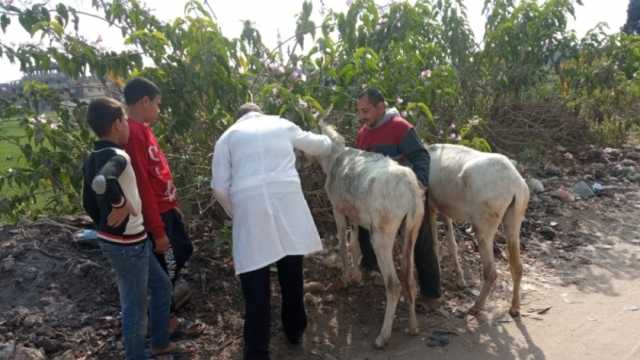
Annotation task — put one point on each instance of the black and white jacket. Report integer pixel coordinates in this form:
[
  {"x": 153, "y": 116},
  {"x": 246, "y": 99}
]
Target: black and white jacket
[{"x": 110, "y": 182}]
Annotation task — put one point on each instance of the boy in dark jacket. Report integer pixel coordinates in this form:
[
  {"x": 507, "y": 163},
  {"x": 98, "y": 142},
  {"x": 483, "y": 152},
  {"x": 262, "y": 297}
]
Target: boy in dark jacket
[{"x": 110, "y": 197}]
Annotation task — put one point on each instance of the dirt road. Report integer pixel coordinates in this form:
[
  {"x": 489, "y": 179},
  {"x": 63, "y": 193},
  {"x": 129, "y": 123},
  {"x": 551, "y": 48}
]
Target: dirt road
[{"x": 585, "y": 308}]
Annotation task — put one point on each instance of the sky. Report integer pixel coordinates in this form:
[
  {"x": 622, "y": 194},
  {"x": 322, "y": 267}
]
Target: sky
[{"x": 271, "y": 17}]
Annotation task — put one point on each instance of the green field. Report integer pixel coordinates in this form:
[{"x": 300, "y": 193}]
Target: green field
[{"x": 9, "y": 153}]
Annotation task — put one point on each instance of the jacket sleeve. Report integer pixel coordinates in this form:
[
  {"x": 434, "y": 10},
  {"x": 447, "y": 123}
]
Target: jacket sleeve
[
  {"x": 310, "y": 143},
  {"x": 137, "y": 148},
  {"x": 90, "y": 203},
  {"x": 221, "y": 175},
  {"x": 106, "y": 181},
  {"x": 417, "y": 156}
]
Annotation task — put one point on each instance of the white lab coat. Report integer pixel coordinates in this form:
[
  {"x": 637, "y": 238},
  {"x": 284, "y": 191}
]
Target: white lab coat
[{"x": 255, "y": 180}]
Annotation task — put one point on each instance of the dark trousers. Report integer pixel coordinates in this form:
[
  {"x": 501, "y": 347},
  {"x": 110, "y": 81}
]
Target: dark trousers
[
  {"x": 179, "y": 239},
  {"x": 425, "y": 258},
  {"x": 256, "y": 289},
  {"x": 180, "y": 243}
]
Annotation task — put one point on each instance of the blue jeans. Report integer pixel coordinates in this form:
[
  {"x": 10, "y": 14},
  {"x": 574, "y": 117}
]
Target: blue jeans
[{"x": 138, "y": 273}]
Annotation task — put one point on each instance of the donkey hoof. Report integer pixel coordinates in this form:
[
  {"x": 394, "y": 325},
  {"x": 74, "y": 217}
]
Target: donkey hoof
[
  {"x": 355, "y": 277},
  {"x": 514, "y": 312},
  {"x": 380, "y": 343}
]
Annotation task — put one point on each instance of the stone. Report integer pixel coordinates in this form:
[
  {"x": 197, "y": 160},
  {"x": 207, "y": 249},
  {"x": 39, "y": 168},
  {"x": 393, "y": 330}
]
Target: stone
[
  {"x": 536, "y": 186},
  {"x": 583, "y": 190},
  {"x": 32, "y": 320},
  {"x": 563, "y": 195},
  {"x": 548, "y": 233},
  {"x": 19, "y": 352},
  {"x": 552, "y": 170},
  {"x": 67, "y": 355},
  {"x": 7, "y": 264},
  {"x": 313, "y": 287},
  {"x": 633, "y": 155},
  {"x": 628, "y": 162},
  {"x": 622, "y": 171},
  {"x": 612, "y": 152},
  {"x": 599, "y": 170},
  {"x": 596, "y": 155},
  {"x": 634, "y": 177}
]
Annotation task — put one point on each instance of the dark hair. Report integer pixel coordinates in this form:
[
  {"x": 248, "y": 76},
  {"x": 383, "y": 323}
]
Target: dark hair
[
  {"x": 102, "y": 113},
  {"x": 373, "y": 95},
  {"x": 138, "y": 88},
  {"x": 247, "y": 108}
]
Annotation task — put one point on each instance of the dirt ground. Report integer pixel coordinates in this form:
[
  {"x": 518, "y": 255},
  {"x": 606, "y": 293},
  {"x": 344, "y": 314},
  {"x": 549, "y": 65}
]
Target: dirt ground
[{"x": 580, "y": 296}]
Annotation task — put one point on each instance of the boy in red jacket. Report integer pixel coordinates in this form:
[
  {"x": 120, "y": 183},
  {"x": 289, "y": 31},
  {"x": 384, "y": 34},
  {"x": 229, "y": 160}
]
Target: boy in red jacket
[{"x": 162, "y": 217}]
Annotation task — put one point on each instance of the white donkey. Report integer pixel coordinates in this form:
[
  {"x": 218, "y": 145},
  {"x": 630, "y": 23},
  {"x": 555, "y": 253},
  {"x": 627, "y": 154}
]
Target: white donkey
[
  {"x": 375, "y": 192},
  {"x": 484, "y": 189}
]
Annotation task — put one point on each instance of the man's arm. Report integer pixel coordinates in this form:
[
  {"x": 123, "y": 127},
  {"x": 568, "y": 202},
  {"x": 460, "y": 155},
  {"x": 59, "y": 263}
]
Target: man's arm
[
  {"x": 417, "y": 156},
  {"x": 221, "y": 175},
  {"x": 310, "y": 143}
]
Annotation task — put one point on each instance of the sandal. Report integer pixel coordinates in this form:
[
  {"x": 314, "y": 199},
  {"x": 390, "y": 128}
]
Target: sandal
[{"x": 187, "y": 329}]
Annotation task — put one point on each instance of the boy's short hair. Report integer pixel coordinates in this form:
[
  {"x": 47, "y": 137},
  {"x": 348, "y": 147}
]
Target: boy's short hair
[
  {"x": 102, "y": 113},
  {"x": 374, "y": 96},
  {"x": 138, "y": 88}
]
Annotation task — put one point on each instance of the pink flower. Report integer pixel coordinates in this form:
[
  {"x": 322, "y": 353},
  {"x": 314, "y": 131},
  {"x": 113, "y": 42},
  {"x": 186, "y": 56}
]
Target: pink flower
[
  {"x": 298, "y": 75},
  {"x": 425, "y": 74}
]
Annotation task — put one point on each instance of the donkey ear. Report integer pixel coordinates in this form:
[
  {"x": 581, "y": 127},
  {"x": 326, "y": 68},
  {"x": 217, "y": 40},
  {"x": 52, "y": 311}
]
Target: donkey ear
[{"x": 322, "y": 120}]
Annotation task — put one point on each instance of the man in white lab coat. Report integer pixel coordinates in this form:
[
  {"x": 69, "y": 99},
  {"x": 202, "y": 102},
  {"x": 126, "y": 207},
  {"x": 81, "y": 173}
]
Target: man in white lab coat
[{"x": 255, "y": 180}]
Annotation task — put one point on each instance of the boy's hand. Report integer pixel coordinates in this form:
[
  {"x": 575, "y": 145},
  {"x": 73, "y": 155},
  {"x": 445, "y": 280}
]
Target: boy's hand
[
  {"x": 117, "y": 216},
  {"x": 162, "y": 245}
]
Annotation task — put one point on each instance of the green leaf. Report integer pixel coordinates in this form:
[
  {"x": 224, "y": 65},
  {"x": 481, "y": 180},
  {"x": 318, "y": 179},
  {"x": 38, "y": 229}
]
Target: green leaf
[
  {"x": 4, "y": 22},
  {"x": 57, "y": 28},
  {"x": 63, "y": 13},
  {"x": 314, "y": 104}
]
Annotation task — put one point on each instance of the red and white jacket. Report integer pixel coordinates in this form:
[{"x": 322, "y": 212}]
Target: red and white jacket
[{"x": 155, "y": 182}]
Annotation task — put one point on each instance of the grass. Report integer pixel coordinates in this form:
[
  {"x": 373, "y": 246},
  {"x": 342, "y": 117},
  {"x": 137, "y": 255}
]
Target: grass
[{"x": 9, "y": 153}]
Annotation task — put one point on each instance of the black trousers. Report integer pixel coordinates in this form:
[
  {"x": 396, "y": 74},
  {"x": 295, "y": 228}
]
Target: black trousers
[
  {"x": 256, "y": 289},
  {"x": 426, "y": 259},
  {"x": 179, "y": 239},
  {"x": 180, "y": 243}
]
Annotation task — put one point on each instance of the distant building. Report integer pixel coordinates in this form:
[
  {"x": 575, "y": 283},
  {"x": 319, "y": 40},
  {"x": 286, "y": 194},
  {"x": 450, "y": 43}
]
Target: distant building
[
  {"x": 83, "y": 89},
  {"x": 9, "y": 90}
]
